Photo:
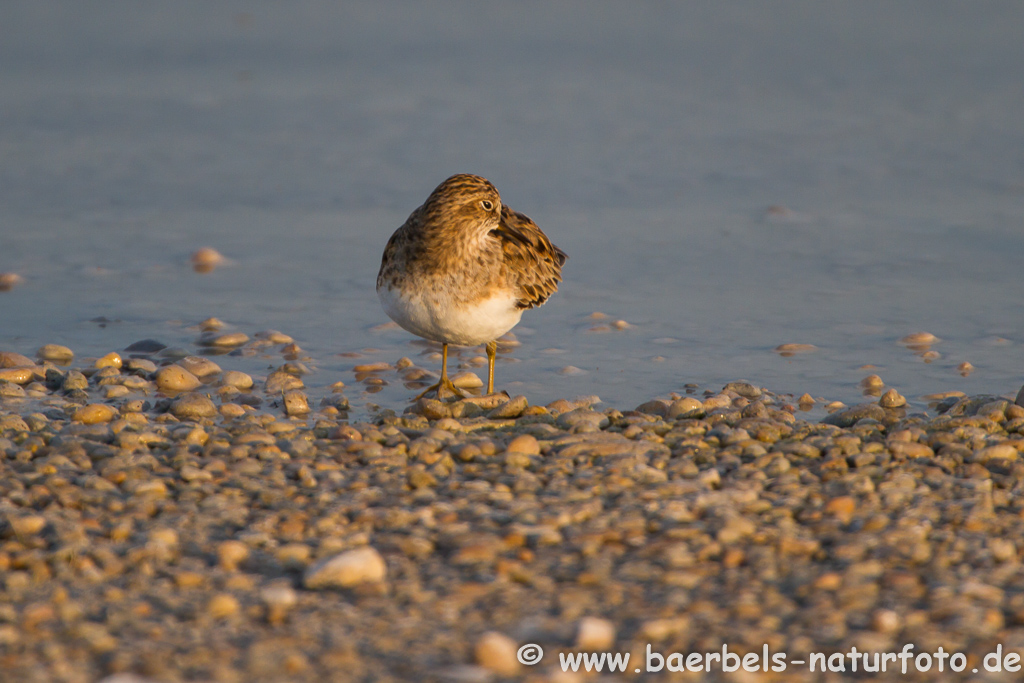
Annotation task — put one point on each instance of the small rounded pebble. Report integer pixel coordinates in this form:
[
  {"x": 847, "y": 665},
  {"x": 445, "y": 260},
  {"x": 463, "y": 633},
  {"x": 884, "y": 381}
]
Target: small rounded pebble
[
  {"x": 1000, "y": 451},
  {"x": 786, "y": 350},
  {"x": 192, "y": 406},
  {"x": 274, "y": 337},
  {"x": 582, "y": 420},
  {"x": 467, "y": 380},
  {"x": 919, "y": 339},
  {"x": 294, "y": 555},
  {"x": 115, "y": 391},
  {"x": 55, "y": 353},
  {"x": 223, "y": 606},
  {"x": 17, "y": 375},
  {"x": 497, "y": 652},
  {"x": 965, "y": 368},
  {"x": 12, "y": 359},
  {"x": 74, "y": 380},
  {"x": 510, "y": 409},
  {"x": 432, "y": 409},
  {"x": 892, "y": 399},
  {"x": 686, "y": 407},
  {"x": 842, "y": 508},
  {"x": 886, "y": 621},
  {"x": 872, "y": 382},
  {"x": 176, "y": 378},
  {"x": 524, "y": 443},
  {"x": 744, "y": 389},
  {"x": 372, "y": 367},
  {"x": 200, "y": 367},
  {"x": 27, "y": 525},
  {"x": 211, "y": 325},
  {"x": 232, "y": 553},
  {"x": 296, "y": 403},
  {"x": 111, "y": 360},
  {"x": 94, "y": 413},
  {"x": 190, "y": 580},
  {"x": 280, "y": 381},
  {"x": 206, "y": 259},
  {"x": 142, "y": 366},
  {"x": 1002, "y": 549},
  {"x": 146, "y": 346},
  {"x": 655, "y": 407},
  {"x": 847, "y": 417},
  {"x": 11, "y": 390},
  {"x": 232, "y": 410},
  {"x": 9, "y": 281},
  {"x": 239, "y": 380},
  {"x": 280, "y": 598},
  {"x": 712, "y": 403},
  {"x": 164, "y": 537},
  {"x": 595, "y": 634},
  {"x": 228, "y": 340},
  {"x": 348, "y": 569}
]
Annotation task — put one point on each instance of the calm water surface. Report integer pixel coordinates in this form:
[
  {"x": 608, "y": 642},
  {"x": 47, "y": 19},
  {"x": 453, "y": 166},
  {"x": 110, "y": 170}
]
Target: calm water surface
[{"x": 725, "y": 178}]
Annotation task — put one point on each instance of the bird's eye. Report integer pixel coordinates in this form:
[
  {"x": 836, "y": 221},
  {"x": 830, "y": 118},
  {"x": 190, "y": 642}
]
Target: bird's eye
[{"x": 486, "y": 203}]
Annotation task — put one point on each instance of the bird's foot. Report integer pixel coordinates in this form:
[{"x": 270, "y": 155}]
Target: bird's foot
[{"x": 442, "y": 390}]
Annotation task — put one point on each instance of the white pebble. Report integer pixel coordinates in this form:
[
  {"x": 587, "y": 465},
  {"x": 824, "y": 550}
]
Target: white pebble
[
  {"x": 467, "y": 380},
  {"x": 595, "y": 634},
  {"x": 350, "y": 568}
]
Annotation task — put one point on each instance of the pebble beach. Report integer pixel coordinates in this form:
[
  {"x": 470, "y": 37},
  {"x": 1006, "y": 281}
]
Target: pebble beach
[{"x": 164, "y": 520}]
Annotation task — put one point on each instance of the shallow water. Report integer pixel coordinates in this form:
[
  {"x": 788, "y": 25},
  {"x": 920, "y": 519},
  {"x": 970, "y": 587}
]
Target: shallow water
[{"x": 725, "y": 178}]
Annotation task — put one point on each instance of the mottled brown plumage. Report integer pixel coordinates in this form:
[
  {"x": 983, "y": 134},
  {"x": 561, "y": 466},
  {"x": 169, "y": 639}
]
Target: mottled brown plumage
[
  {"x": 534, "y": 263},
  {"x": 463, "y": 267}
]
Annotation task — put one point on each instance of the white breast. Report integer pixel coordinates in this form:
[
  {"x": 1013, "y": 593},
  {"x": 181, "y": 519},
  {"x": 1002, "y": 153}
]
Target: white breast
[{"x": 433, "y": 316}]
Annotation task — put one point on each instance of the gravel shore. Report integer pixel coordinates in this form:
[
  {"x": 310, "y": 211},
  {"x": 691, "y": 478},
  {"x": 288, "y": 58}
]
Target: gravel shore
[{"x": 171, "y": 521}]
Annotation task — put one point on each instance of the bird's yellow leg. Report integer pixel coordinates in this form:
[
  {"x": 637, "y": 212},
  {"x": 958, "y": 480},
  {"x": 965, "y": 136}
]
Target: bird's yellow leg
[
  {"x": 444, "y": 386},
  {"x": 492, "y": 352}
]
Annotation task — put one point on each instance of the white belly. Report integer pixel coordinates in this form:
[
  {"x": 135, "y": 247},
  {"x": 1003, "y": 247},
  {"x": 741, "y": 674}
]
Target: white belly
[{"x": 432, "y": 316}]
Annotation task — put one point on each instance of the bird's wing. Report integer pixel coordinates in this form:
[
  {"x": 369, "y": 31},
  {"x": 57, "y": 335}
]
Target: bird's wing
[
  {"x": 534, "y": 263},
  {"x": 401, "y": 243}
]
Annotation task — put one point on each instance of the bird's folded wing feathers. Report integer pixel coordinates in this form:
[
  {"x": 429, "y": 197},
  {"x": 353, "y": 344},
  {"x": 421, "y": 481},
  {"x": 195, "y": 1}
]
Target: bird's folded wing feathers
[{"x": 535, "y": 263}]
